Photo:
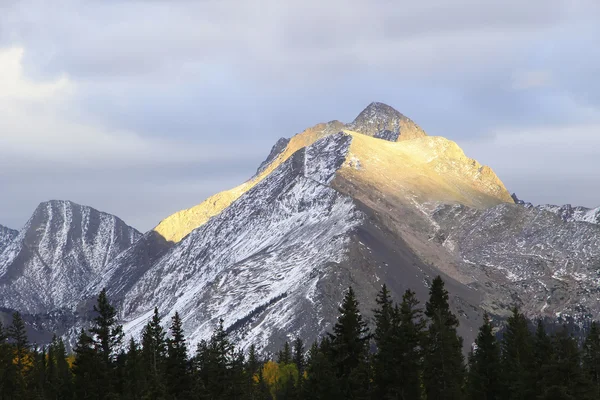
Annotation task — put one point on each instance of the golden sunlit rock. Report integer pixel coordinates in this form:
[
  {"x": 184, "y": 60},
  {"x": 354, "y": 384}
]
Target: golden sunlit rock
[{"x": 408, "y": 164}]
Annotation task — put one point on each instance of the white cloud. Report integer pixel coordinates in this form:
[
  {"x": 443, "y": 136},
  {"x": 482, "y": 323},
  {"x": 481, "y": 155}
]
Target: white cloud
[{"x": 37, "y": 123}]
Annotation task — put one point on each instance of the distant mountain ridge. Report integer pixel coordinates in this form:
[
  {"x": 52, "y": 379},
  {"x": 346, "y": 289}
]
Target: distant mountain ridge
[{"x": 59, "y": 250}]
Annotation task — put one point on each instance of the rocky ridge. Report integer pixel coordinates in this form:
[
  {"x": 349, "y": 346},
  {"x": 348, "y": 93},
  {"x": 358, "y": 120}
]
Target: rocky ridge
[{"x": 6, "y": 236}]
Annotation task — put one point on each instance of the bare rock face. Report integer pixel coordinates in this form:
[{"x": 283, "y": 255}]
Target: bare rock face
[
  {"x": 6, "y": 236},
  {"x": 526, "y": 256},
  {"x": 61, "y": 248},
  {"x": 382, "y": 121}
]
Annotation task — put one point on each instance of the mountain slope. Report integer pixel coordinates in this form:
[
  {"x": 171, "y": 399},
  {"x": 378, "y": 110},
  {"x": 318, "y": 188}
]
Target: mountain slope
[
  {"x": 6, "y": 236},
  {"x": 62, "y": 247},
  {"x": 275, "y": 260}
]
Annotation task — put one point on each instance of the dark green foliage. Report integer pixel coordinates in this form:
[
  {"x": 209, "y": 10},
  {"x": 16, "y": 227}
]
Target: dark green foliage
[
  {"x": 153, "y": 358},
  {"x": 398, "y": 335},
  {"x": 543, "y": 354},
  {"x": 88, "y": 383},
  {"x": 321, "y": 383},
  {"x": 483, "y": 382},
  {"x": 108, "y": 335},
  {"x": 517, "y": 359},
  {"x": 349, "y": 349},
  {"x": 298, "y": 356},
  {"x": 591, "y": 359},
  {"x": 443, "y": 366},
  {"x": 285, "y": 355},
  {"x": 564, "y": 374},
  {"x": 177, "y": 366},
  {"x": 17, "y": 336}
]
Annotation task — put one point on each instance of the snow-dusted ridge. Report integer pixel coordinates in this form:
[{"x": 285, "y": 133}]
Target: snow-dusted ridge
[
  {"x": 267, "y": 250},
  {"x": 52, "y": 259}
]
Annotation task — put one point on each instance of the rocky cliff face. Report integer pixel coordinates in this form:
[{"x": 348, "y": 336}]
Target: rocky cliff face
[
  {"x": 53, "y": 258},
  {"x": 6, "y": 236}
]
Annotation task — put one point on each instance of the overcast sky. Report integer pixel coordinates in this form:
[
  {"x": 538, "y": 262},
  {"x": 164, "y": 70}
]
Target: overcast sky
[{"x": 142, "y": 108}]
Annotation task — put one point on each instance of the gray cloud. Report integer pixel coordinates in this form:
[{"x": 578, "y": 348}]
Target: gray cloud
[{"x": 173, "y": 100}]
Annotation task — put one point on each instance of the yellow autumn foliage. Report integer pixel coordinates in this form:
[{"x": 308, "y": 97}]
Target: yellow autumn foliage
[{"x": 277, "y": 377}]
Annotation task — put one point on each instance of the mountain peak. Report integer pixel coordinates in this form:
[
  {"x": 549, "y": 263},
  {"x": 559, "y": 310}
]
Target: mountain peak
[{"x": 384, "y": 122}]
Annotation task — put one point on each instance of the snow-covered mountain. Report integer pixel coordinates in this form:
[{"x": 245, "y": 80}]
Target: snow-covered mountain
[
  {"x": 370, "y": 202},
  {"x": 6, "y": 236},
  {"x": 60, "y": 250}
]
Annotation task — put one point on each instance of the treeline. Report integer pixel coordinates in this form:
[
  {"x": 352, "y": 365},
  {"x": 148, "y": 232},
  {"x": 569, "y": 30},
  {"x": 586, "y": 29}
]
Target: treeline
[{"x": 413, "y": 353}]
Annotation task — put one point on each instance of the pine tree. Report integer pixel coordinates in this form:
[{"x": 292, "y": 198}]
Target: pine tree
[
  {"x": 153, "y": 357},
  {"x": 407, "y": 344},
  {"x": 134, "y": 376},
  {"x": 591, "y": 358},
  {"x": 177, "y": 368},
  {"x": 565, "y": 374},
  {"x": 20, "y": 344},
  {"x": 483, "y": 382},
  {"x": 543, "y": 354},
  {"x": 443, "y": 368},
  {"x": 88, "y": 383},
  {"x": 214, "y": 362},
  {"x": 7, "y": 368},
  {"x": 107, "y": 333},
  {"x": 385, "y": 359},
  {"x": 63, "y": 371},
  {"x": 298, "y": 356},
  {"x": 285, "y": 355},
  {"x": 321, "y": 382},
  {"x": 349, "y": 348},
  {"x": 517, "y": 357}
]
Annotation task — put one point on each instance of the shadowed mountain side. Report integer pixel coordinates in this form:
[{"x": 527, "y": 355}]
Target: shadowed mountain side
[
  {"x": 6, "y": 236},
  {"x": 126, "y": 269}
]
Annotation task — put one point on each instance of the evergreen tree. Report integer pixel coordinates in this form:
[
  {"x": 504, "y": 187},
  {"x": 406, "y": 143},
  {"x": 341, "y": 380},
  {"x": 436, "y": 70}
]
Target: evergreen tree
[
  {"x": 36, "y": 377},
  {"x": 214, "y": 362},
  {"x": 443, "y": 368},
  {"x": 88, "y": 383},
  {"x": 321, "y": 382},
  {"x": 407, "y": 345},
  {"x": 63, "y": 371},
  {"x": 177, "y": 368},
  {"x": 591, "y": 358},
  {"x": 134, "y": 375},
  {"x": 517, "y": 357},
  {"x": 107, "y": 336},
  {"x": 20, "y": 347},
  {"x": 385, "y": 359},
  {"x": 153, "y": 358},
  {"x": 7, "y": 368},
  {"x": 107, "y": 333},
  {"x": 298, "y": 356},
  {"x": 543, "y": 354},
  {"x": 565, "y": 375},
  {"x": 285, "y": 355},
  {"x": 483, "y": 381},
  {"x": 349, "y": 349}
]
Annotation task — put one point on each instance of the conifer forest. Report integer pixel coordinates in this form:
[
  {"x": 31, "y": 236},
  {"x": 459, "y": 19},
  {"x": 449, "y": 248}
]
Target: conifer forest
[{"x": 410, "y": 352}]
